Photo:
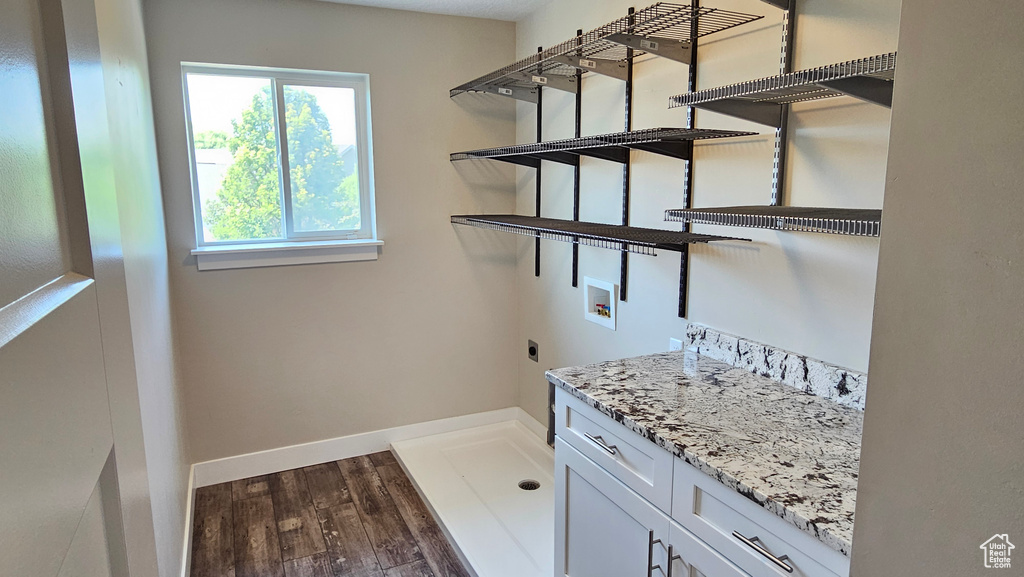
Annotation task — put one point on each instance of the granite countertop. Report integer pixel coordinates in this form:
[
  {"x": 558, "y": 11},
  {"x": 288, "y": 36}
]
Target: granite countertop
[{"x": 793, "y": 453}]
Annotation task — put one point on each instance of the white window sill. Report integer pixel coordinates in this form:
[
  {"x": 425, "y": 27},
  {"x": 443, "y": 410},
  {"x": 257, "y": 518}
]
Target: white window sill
[{"x": 284, "y": 253}]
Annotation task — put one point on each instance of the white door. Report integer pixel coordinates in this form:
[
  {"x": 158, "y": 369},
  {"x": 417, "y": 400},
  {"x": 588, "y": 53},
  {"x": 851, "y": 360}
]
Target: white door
[
  {"x": 59, "y": 505},
  {"x": 602, "y": 528}
]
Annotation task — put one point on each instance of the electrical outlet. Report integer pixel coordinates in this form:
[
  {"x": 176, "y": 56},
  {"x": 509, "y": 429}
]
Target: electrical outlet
[
  {"x": 532, "y": 350},
  {"x": 675, "y": 345}
]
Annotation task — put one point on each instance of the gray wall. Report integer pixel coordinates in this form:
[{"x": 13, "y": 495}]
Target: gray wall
[
  {"x": 807, "y": 293},
  {"x": 272, "y": 357},
  {"x": 941, "y": 467}
]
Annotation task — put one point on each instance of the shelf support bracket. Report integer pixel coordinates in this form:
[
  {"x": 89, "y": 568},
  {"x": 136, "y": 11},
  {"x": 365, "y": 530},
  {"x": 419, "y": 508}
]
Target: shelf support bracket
[
  {"x": 595, "y": 65},
  {"x": 559, "y": 157},
  {"x": 530, "y": 161},
  {"x": 563, "y": 83},
  {"x": 523, "y": 94},
  {"x": 781, "y": 4},
  {"x": 682, "y": 150},
  {"x": 620, "y": 155},
  {"x": 874, "y": 90},
  {"x": 664, "y": 47},
  {"x": 765, "y": 113}
]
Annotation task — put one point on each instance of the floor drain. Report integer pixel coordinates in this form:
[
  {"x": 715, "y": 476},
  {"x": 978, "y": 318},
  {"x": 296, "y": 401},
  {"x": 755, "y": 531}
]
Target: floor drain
[{"x": 529, "y": 485}]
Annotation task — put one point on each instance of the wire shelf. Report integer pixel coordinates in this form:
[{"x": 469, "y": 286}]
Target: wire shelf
[
  {"x": 616, "y": 237},
  {"x": 661, "y": 20},
  {"x": 843, "y": 221},
  {"x": 867, "y": 78},
  {"x": 666, "y": 141}
]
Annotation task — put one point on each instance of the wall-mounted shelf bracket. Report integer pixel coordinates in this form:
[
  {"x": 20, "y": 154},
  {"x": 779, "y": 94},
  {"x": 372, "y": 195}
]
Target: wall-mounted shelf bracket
[
  {"x": 612, "y": 68},
  {"x": 763, "y": 101},
  {"x": 760, "y": 112},
  {"x": 661, "y": 29},
  {"x": 556, "y": 81},
  {"x": 874, "y": 90},
  {"x": 842, "y": 221},
  {"x": 672, "y": 142},
  {"x": 664, "y": 47},
  {"x": 524, "y": 94},
  {"x": 781, "y": 4}
]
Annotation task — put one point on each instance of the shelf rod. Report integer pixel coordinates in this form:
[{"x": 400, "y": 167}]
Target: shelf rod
[
  {"x": 624, "y": 255},
  {"x": 537, "y": 176},
  {"x": 782, "y": 132},
  {"x": 691, "y": 119},
  {"x": 576, "y": 171}
]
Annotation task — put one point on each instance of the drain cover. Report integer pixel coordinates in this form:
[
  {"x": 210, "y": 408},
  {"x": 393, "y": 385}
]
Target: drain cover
[{"x": 529, "y": 485}]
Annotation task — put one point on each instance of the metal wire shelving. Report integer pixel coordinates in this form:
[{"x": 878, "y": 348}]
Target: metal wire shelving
[
  {"x": 662, "y": 29},
  {"x": 673, "y": 142},
  {"x": 611, "y": 236},
  {"x": 763, "y": 100},
  {"x": 842, "y": 221}
]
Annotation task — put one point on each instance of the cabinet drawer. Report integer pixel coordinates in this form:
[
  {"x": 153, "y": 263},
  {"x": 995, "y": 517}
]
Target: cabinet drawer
[
  {"x": 721, "y": 517},
  {"x": 636, "y": 462},
  {"x": 691, "y": 557}
]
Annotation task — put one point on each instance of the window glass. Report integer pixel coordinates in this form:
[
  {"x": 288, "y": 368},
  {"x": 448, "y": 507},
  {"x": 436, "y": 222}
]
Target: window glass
[
  {"x": 322, "y": 158},
  {"x": 235, "y": 151}
]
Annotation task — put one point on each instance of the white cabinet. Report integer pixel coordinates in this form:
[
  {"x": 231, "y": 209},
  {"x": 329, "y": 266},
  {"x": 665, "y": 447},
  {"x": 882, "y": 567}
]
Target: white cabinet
[
  {"x": 624, "y": 506},
  {"x": 602, "y": 528},
  {"x": 610, "y": 531}
]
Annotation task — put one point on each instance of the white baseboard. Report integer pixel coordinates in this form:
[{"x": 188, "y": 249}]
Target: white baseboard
[
  {"x": 190, "y": 513},
  {"x": 296, "y": 456}
]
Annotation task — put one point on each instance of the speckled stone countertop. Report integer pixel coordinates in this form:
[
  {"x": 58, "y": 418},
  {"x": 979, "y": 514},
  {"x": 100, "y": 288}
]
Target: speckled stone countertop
[{"x": 795, "y": 454}]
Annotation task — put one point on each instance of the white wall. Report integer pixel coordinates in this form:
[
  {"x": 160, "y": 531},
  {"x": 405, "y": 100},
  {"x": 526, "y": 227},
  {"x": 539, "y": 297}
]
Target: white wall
[
  {"x": 804, "y": 292},
  {"x": 941, "y": 460},
  {"x": 163, "y": 478},
  {"x": 272, "y": 357}
]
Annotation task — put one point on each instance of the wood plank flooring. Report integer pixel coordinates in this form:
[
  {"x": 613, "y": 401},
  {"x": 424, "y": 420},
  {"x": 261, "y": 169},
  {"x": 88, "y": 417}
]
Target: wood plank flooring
[{"x": 359, "y": 517}]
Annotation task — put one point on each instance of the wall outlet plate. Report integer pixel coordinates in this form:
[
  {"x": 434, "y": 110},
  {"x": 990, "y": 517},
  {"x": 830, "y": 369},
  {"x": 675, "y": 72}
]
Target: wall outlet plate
[
  {"x": 675, "y": 345},
  {"x": 532, "y": 351},
  {"x": 599, "y": 300}
]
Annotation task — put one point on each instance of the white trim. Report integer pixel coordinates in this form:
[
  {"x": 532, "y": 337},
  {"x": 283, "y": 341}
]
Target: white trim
[
  {"x": 18, "y": 316},
  {"x": 295, "y": 456},
  {"x": 190, "y": 513},
  {"x": 284, "y": 253}
]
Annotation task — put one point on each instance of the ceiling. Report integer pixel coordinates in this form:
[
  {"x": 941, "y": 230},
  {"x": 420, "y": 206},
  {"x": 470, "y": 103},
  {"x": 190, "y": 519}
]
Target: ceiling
[{"x": 497, "y": 9}]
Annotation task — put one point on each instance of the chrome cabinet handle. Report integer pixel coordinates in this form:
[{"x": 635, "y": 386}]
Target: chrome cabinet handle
[
  {"x": 650, "y": 552},
  {"x": 672, "y": 558},
  {"x": 752, "y": 543},
  {"x": 597, "y": 440}
]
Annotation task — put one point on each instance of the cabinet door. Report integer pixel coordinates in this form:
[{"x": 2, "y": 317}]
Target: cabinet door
[{"x": 602, "y": 528}]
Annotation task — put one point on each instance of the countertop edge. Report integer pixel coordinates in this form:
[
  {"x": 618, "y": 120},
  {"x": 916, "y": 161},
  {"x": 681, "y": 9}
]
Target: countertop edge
[{"x": 827, "y": 537}]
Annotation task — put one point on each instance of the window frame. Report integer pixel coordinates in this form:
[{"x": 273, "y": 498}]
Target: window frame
[{"x": 279, "y": 78}]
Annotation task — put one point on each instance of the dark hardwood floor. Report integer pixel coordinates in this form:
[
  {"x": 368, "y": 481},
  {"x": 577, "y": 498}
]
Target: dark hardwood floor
[{"x": 360, "y": 517}]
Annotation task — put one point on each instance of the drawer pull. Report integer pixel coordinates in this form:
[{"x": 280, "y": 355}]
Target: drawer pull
[
  {"x": 672, "y": 558},
  {"x": 752, "y": 543},
  {"x": 650, "y": 552},
  {"x": 597, "y": 440}
]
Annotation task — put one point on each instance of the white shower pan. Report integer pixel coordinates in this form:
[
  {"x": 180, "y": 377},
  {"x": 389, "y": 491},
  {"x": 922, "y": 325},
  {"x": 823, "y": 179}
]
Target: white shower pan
[{"x": 471, "y": 481}]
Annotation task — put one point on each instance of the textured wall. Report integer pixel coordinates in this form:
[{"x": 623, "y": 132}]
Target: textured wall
[
  {"x": 272, "y": 357},
  {"x": 811, "y": 294},
  {"x": 941, "y": 461}
]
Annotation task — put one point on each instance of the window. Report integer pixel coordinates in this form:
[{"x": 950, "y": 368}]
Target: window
[{"x": 281, "y": 166}]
